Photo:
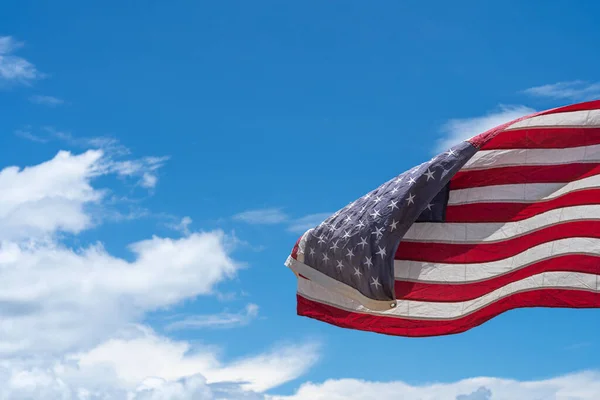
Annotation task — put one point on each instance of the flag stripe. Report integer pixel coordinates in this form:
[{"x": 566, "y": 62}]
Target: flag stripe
[
  {"x": 590, "y": 118},
  {"x": 511, "y": 212},
  {"x": 463, "y": 272},
  {"x": 532, "y": 192},
  {"x": 444, "y": 291},
  {"x": 559, "y": 298},
  {"x": 477, "y": 233},
  {"x": 452, "y": 253},
  {"x": 518, "y": 157},
  {"x": 427, "y": 310},
  {"x": 547, "y": 138},
  {"x": 524, "y": 174}
]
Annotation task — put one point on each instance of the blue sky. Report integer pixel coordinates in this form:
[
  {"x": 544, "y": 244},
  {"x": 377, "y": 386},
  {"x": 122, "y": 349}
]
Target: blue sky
[{"x": 252, "y": 120}]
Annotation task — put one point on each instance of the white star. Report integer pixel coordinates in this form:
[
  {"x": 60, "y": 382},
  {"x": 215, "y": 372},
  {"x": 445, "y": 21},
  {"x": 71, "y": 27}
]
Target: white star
[
  {"x": 346, "y": 235},
  {"x": 375, "y": 214},
  {"x": 377, "y": 199},
  {"x": 411, "y": 199},
  {"x": 339, "y": 265},
  {"x": 398, "y": 179},
  {"x": 368, "y": 262},
  {"x": 357, "y": 272},
  {"x": 312, "y": 252},
  {"x": 321, "y": 239},
  {"x": 450, "y": 152},
  {"x": 363, "y": 242},
  {"x": 378, "y": 232},
  {"x": 375, "y": 283},
  {"x": 395, "y": 189},
  {"x": 429, "y": 206},
  {"x": 368, "y": 196},
  {"x": 381, "y": 252},
  {"x": 363, "y": 209},
  {"x": 360, "y": 224},
  {"x": 350, "y": 254},
  {"x": 335, "y": 245},
  {"x": 325, "y": 258},
  {"x": 411, "y": 181},
  {"x": 332, "y": 228},
  {"x": 348, "y": 219},
  {"x": 393, "y": 225},
  {"x": 393, "y": 204},
  {"x": 351, "y": 205},
  {"x": 429, "y": 174}
]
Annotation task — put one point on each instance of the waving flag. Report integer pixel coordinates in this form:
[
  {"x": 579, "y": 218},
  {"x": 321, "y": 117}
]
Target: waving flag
[{"x": 509, "y": 218}]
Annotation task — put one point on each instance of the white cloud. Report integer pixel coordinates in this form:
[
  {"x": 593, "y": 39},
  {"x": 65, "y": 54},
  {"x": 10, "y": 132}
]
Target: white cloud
[
  {"x": 69, "y": 315},
  {"x": 46, "y": 100},
  {"x": 49, "y": 291},
  {"x": 579, "y": 386},
  {"x": 48, "y": 197},
  {"x": 222, "y": 320},
  {"x": 265, "y": 216},
  {"x": 458, "y": 130},
  {"x": 307, "y": 222},
  {"x": 15, "y": 69},
  {"x": 138, "y": 364},
  {"x": 571, "y": 90},
  {"x": 57, "y": 194},
  {"x": 139, "y": 353}
]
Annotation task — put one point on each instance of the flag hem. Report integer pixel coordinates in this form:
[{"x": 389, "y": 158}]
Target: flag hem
[{"x": 327, "y": 282}]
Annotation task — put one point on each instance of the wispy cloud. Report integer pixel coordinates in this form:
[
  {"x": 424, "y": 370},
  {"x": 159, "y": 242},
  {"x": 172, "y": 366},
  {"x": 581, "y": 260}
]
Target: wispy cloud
[
  {"x": 15, "y": 69},
  {"x": 183, "y": 226},
  {"x": 222, "y": 320},
  {"x": 303, "y": 224},
  {"x": 457, "y": 130},
  {"x": 266, "y": 216},
  {"x": 46, "y": 100},
  {"x": 143, "y": 169},
  {"x": 25, "y": 133},
  {"x": 569, "y": 90},
  {"x": 275, "y": 216}
]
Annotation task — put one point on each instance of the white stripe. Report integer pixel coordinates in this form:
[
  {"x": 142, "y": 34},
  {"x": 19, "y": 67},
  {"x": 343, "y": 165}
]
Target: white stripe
[
  {"x": 586, "y": 118},
  {"x": 523, "y": 192},
  {"x": 433, "y": 310},
  {"x": 460, "y": 273},
  {"x": 456, "y": 232},
  {"x": 484, "y": 159}
]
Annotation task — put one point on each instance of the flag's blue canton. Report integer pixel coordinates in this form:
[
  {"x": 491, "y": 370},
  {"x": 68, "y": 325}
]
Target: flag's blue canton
[{"x": 357, "y": 244}]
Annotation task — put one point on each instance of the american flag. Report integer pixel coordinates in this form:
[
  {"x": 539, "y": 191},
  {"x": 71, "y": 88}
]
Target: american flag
[{"x": 509, "y": 218}]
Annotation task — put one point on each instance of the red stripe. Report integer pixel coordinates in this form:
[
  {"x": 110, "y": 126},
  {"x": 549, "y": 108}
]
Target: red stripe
[
  {"x": 544, "y": 138},
  {"x": 294, "y": 253},
  {"x": 444, "y": 292},
  {"x": 510, "y": 212},
  {"x": 523, "y": 174},
  {"x": 559, "y": 298},
  {"x": 481, "y": 252}
]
